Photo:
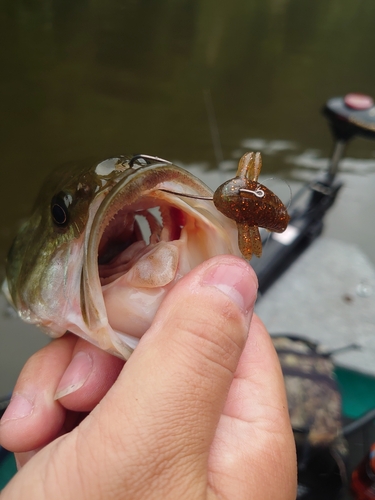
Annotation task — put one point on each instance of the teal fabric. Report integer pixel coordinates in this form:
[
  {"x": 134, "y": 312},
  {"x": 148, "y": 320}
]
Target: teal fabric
[
  {"x": 7, "y": 469},
  {"x": 357, "y": 390}
]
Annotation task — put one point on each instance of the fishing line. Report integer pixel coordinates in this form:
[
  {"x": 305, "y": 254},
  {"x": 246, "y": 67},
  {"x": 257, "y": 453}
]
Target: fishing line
[
  {"x": 195, "y": 196},
  {"x": 259, "y": 193},
  {"x": 284, "y": 181},
  {"x": 265, "y": 234},
  {"x": 214, "y": 129}
]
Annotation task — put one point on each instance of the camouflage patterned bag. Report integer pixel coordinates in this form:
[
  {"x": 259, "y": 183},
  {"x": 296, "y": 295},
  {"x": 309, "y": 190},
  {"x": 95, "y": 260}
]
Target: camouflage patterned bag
[{"x": 314, "y": 403}]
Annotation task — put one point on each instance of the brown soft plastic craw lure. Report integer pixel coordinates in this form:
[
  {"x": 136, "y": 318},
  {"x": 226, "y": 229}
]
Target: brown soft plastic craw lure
[{"x": 251, "y": 205}]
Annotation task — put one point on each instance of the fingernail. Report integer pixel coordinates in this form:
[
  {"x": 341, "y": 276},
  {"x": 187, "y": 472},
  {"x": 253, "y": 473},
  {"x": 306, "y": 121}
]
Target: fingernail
[
  {"x": 235, "y": 280},
  {"x": 75, "y": 375},
  {"x": 19, "y": 407}
]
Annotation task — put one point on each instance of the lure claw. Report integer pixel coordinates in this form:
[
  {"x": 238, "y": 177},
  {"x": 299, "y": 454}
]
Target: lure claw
[
  {"x": 249, "y": 240},
  {"x": 249, "y": 166}
]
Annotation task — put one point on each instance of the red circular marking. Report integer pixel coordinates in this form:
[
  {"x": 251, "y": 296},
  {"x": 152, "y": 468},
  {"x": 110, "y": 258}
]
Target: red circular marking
[{"x": 358, "y": 101}]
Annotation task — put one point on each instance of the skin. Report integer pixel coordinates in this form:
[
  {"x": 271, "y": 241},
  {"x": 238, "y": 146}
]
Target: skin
[{"x": 197, "y": 412}]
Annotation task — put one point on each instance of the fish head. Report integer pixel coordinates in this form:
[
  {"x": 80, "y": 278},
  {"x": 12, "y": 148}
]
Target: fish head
[{"x": 104, "y": 245}]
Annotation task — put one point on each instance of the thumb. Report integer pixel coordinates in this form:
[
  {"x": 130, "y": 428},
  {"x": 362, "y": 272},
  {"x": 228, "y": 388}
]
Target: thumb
[{"x": 167, "y": 402}]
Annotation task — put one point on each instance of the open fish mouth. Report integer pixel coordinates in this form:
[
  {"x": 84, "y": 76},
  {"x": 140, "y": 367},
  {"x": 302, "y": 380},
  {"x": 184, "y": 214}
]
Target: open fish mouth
[
  {"x": 142, "y": 240},
  {"x": 105, "y": 243},
  {"x": 133, "y": 232}
]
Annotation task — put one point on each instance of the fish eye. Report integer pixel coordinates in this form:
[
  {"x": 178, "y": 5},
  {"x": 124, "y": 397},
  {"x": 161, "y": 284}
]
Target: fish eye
[{"x": 60, "y": 209}]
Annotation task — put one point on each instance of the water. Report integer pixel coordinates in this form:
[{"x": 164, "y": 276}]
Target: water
[{"x": 194, "y": 81}]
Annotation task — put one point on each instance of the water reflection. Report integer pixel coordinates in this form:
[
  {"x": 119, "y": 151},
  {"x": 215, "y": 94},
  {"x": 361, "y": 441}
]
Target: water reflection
[
  {"x": 311, "y": 159},
  {"x": 94, "y": 78}
]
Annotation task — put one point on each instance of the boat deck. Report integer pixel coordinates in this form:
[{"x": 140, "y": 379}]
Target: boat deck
[{"x": 327, "y": 295}]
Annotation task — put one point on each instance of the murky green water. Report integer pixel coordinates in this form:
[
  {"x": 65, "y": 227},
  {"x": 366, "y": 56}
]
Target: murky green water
[{"x": 194, "y": 81}]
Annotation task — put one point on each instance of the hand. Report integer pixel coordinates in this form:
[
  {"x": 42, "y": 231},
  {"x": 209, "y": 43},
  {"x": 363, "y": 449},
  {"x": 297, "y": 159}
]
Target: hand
[{"x": 198, "y": 412}]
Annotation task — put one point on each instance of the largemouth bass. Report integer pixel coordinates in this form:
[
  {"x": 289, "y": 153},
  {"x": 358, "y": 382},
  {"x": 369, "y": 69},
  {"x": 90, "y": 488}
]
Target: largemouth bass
[{"x": 105, "y": 243}]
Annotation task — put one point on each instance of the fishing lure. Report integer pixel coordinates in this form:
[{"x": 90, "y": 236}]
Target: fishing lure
[{"x": 250, "y": 204}]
